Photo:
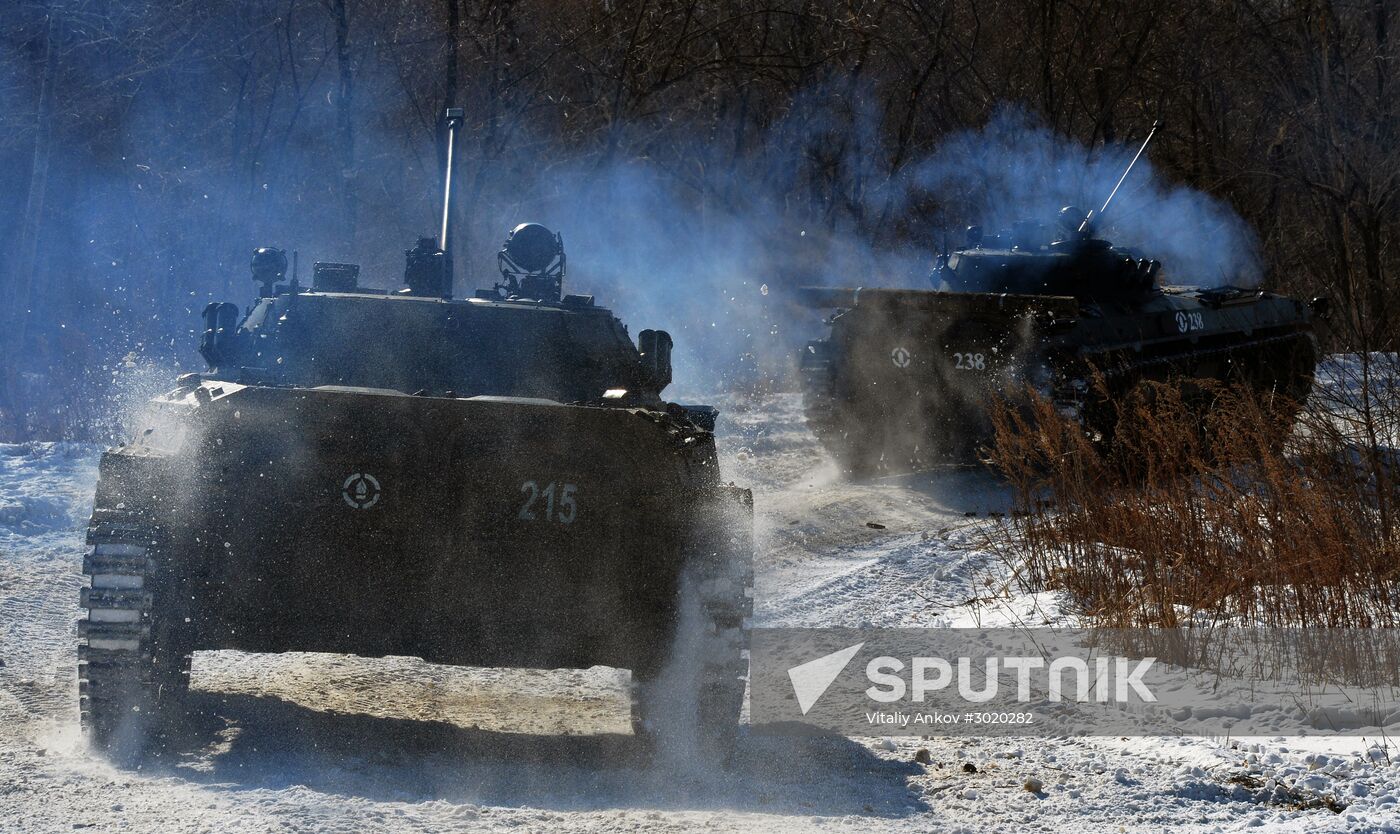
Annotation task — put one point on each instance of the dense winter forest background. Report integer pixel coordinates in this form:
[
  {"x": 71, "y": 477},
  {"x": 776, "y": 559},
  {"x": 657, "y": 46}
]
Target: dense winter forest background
[{"x": 701, "y": 157}]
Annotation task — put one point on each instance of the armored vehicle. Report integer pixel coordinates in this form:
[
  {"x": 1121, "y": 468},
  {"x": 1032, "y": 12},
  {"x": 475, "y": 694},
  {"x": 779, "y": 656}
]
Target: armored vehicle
[
  {"x": 904, "y": 377},
  {"x": 487, "y": 481}
]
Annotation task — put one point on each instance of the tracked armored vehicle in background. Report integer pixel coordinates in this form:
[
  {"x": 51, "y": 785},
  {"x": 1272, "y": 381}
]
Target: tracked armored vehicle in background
[
  {"x": 904, "y": 378},
  {"x": 488, "y": 481}
]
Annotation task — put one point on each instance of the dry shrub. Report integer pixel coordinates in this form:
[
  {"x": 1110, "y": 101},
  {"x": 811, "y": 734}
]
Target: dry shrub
[{"x": 1238, "y": 518}]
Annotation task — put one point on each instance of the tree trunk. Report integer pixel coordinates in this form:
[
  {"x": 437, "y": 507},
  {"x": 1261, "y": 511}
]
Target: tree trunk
[
  {"x": 21, "y": 295},
  {"x": 344, "y": 121}
]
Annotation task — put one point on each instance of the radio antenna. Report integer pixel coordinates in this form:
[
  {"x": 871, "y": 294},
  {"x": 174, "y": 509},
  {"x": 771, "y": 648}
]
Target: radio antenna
[{"x": 1084, "y": 227}]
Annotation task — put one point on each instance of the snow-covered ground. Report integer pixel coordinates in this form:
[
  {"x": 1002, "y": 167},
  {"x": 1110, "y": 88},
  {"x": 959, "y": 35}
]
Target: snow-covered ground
[{"x": 329, "y": 743}]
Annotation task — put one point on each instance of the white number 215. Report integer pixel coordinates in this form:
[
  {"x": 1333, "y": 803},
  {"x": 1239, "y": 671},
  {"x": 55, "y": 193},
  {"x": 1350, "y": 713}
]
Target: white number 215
[{"x": 559, "y": 504}]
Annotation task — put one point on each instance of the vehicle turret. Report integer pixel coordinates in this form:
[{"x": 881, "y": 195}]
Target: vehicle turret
[{"x": 521, "y": 337}]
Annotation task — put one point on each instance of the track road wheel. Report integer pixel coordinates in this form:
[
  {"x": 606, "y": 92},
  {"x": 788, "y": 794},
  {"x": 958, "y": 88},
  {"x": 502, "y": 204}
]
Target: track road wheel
[
  {"x": 700, "y": 695},
  {"x": 132, "y": 670}
]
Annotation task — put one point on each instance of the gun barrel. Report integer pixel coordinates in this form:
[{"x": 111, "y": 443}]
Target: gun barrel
[{"x": 1157, "y": 125}]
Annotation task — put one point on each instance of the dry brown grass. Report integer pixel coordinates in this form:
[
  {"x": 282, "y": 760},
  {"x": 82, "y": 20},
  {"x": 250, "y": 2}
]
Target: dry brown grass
[{"x": 1238, "y": 521}]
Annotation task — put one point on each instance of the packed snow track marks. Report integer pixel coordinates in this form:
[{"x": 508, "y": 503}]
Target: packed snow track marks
[{"x": 328, "y": 743}]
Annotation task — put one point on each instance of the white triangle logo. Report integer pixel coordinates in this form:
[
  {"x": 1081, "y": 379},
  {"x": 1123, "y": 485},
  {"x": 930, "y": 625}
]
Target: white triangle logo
[{"x": 811, "y": 679}]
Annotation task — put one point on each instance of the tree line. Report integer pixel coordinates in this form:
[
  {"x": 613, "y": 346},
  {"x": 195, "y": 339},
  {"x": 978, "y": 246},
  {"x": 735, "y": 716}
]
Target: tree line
[{"x": 146, "y": 147}]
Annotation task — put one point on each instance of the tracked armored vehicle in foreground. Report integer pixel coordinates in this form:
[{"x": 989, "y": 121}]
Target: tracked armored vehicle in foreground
[
  {"x": 488, "y": 481},
  {"x": 904, "y": 378}
]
